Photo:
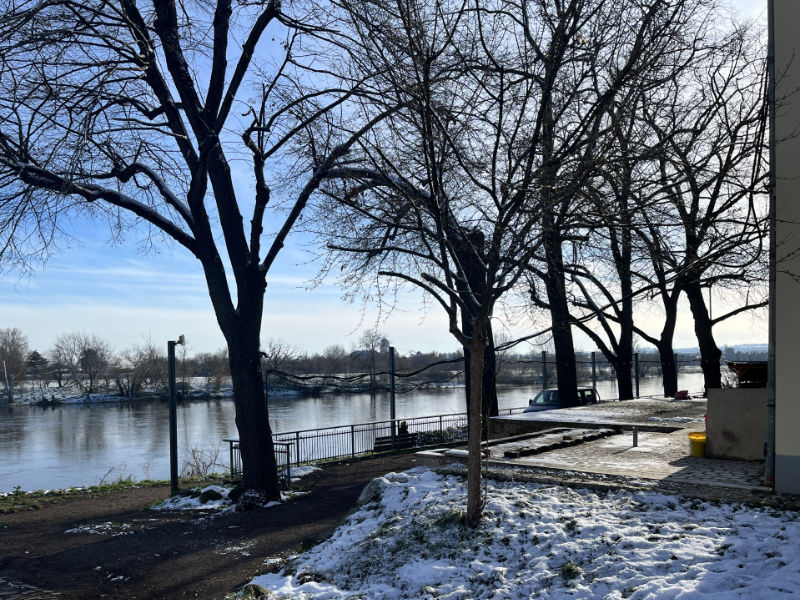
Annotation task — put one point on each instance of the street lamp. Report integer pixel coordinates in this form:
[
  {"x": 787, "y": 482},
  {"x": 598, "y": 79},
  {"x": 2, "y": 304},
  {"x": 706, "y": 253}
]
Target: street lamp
[{"x": 173, "y": 414}]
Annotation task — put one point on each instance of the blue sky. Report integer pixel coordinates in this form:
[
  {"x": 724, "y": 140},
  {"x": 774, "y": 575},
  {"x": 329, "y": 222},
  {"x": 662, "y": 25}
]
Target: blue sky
[{"x": 124, "y": 295}]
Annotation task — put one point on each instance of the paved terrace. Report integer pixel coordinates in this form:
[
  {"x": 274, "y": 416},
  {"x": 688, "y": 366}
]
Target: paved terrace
[{"x": 660, "y": 459}]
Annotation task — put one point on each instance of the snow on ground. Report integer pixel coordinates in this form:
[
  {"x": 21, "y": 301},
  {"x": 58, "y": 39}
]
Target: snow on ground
[
  {"x": 215, "y": 497},
  {"x": 409, "y": 540},
  {"x": 211, "y": 497}
]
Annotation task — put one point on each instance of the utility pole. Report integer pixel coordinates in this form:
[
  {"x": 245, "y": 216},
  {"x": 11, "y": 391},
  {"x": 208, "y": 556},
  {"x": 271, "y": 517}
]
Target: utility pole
[{"x": 173, "y": 415}]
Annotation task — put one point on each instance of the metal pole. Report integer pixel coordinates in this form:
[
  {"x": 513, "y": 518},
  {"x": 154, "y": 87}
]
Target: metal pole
[
  {"x": 173, "y": 419},
  {"x": 770, "y": 449},
  {"x": 594, "y": 370},
  {"x": 636, "y": 370},
  {"x": 392, "y": 415},
  {"x": 5, "y": 374},
  {"x": 544, "y": 369}
]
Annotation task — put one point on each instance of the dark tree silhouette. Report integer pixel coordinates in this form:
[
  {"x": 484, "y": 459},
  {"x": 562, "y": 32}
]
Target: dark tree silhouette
[{"x": 133, "y": 111}]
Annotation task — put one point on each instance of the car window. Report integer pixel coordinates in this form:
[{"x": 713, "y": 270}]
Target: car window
[{"x": 588, "y": 396}]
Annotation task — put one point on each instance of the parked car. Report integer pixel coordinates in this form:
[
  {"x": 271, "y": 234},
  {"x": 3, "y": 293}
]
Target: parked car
[{"x": 548, "y": 399}]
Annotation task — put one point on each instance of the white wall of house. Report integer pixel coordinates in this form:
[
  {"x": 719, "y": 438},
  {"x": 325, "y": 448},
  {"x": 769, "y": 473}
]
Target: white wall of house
[{"x": 787, "y": 289}]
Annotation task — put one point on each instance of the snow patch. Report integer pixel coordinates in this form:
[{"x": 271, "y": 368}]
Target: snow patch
[{"x": 411, "y": 541}]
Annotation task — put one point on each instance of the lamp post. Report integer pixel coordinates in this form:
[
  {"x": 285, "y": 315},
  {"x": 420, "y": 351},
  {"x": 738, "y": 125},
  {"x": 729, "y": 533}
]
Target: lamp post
[{"x": 173, "y": 414}]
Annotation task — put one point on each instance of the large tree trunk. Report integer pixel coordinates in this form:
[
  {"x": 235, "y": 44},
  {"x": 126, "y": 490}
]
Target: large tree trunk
[
  {"x": 624, "y": 370},
  {"x": 669, "y": 371},
  {"x": 241, "y": 327},
  {"x": 469, "y": 255},
  {"x": 710, "y": 353},
  {"x": 259, "y": 469},
  {"x": 475, "y": 428},
  {"x": 560, "y": 318},
  {"x": 666, "y": 352}
]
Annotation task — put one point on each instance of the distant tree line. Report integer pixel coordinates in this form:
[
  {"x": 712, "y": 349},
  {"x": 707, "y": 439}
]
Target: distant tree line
[{"x": 87, "y": 364}]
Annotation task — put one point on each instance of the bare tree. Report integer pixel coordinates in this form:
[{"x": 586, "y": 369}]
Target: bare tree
[
  {"x": 65, "y": 359},
  {"x": 93, "y": 359},
  {"x": 278, "y": 354},
  {"x": 710, "y": 228},
  {"x": 145, "y": 366},
  {"x": 453, "y": 194},
  {"x": 133, "y": 111},
  {"x": 370, "y": 342},
  {"x": 13, "y": 354}
]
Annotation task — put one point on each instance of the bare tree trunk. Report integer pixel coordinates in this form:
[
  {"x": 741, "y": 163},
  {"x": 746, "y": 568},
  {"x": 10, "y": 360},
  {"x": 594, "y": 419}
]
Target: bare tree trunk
[
  {"x": 475, "y": 418},
  {"x": 710, "y": 353},
  {"x": 560, "y": 318},
  {"x": 489, "y": 406},
  {"x": 669, "y": 371},
  {"x": 241, "y": 327},
  {"x": 252, "y": 420},
  {"x": 666, "y": 352}
]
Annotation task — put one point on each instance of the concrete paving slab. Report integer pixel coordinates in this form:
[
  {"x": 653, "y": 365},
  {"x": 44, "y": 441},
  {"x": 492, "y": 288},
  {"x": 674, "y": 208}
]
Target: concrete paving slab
[
  {"x": 658, "y": 456},
  {"x": 661, "y": 454}
]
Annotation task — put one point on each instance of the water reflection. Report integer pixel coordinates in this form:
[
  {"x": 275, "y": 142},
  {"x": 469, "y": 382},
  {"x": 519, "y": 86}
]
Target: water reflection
[{"x": 66, "y": 445}]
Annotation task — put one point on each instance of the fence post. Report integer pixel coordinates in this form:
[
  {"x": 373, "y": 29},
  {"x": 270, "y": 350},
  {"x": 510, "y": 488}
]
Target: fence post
[
  {"x": 353, "y": 440},
  {"x": 391, "y": 397},
  {"x": 441, "y": 428},
  {"x": 288, "y": 466},
  {"x": 636, "y": 371},
  {"x": 297, "y": 443},
  {"x": 544, "y": 369},
  {"x": 594, "y": 370}
]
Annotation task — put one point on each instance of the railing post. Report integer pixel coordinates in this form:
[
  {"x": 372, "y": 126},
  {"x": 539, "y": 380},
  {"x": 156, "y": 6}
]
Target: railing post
[
  {"x": 353, "y": 440},
  {"x": 288, "y": 466},
  {"x": 636, "y": 371},
  {"x": 441, "y": 428},
  {"x": 297, "y": 443},
  {"x": 594, "y": 370},
  {"x": 544, "y": 369},
  {"x": 392, "y": 415}
]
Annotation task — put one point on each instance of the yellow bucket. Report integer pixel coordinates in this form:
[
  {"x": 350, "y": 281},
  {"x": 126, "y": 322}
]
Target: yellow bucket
[{"x": 697, "y": 443}]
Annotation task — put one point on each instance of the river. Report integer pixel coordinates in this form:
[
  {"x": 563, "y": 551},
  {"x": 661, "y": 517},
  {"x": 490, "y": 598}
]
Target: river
[{"x": 80, "y": 444}]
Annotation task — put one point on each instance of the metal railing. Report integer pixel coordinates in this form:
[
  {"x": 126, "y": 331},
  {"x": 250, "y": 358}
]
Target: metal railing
[
  {"x": 283, "y": 457},
  {"x": 305, "y": 446}
]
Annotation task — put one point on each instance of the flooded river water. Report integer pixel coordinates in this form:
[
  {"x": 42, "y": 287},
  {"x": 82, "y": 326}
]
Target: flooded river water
[{"x": 80, "y": 444}]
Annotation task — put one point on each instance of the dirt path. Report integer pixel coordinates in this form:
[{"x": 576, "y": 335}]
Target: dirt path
[{"x": 121, "y": 549}]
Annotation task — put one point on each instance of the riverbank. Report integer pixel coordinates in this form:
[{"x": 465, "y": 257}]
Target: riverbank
[{"x": 112, "y": 545}]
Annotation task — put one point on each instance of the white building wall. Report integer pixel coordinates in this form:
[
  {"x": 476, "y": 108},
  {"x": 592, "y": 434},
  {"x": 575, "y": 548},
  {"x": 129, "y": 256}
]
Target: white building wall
[{"x": 787, "y": 290}]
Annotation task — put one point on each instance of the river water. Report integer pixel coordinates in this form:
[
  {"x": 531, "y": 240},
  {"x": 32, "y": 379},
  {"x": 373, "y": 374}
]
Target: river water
[{"x": 80, "y": 444}]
